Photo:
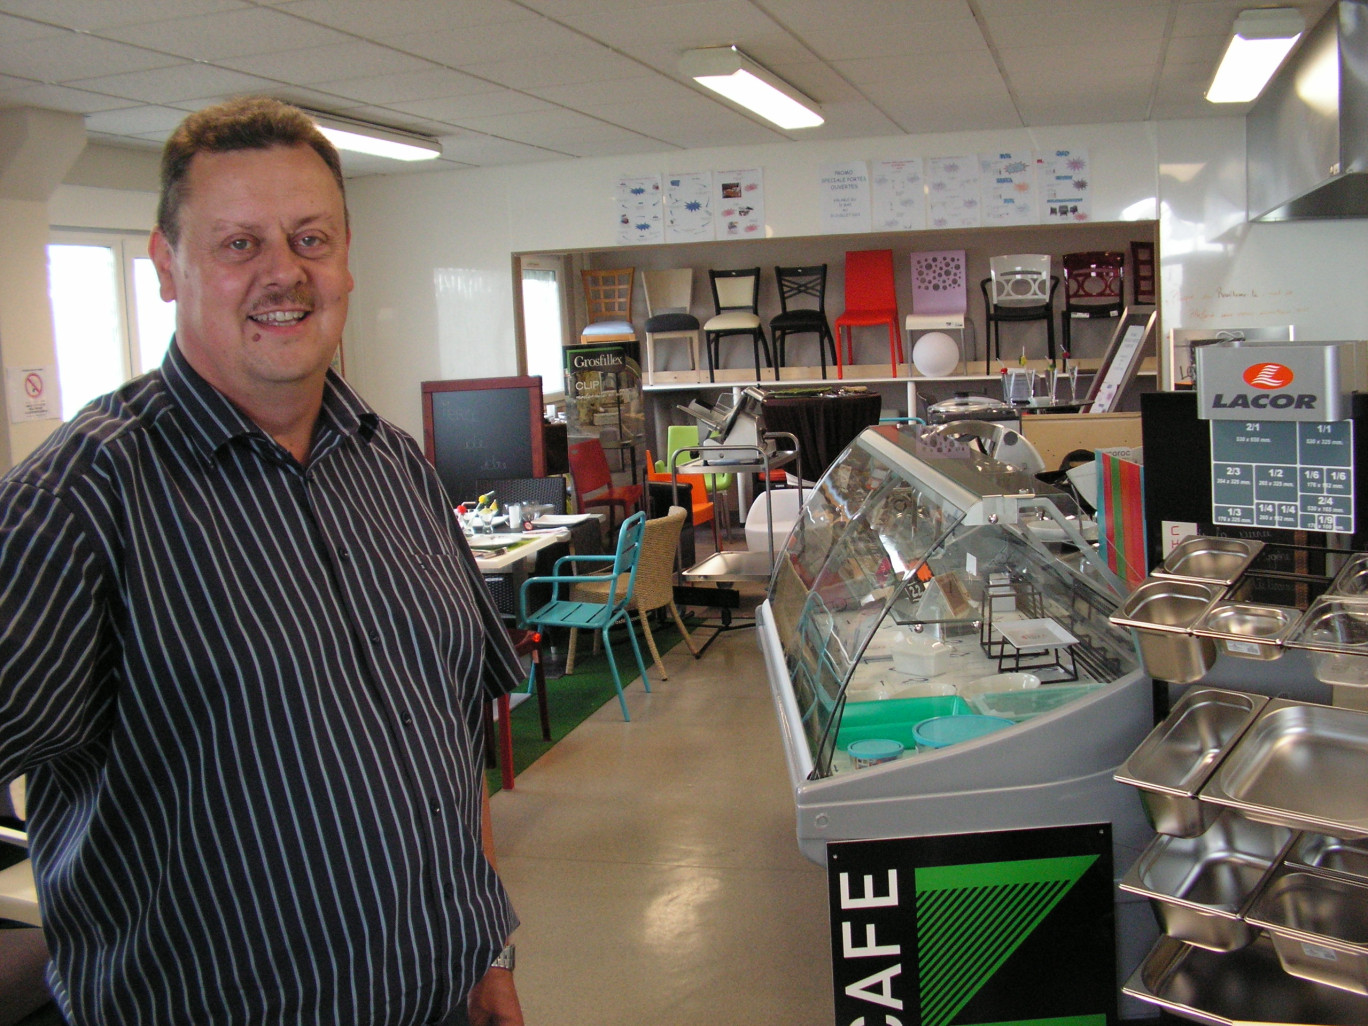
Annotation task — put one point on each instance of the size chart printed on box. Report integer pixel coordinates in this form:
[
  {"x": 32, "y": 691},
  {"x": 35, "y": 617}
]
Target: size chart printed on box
[{"x": 1289, "y": 474}]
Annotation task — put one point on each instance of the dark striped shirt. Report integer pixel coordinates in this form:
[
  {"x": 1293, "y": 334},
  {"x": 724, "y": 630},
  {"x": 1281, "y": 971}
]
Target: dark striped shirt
[{"x": 248, "y": 694}]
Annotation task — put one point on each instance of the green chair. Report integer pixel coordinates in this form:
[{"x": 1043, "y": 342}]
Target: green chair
[
  {"x": 685, "y": 436},
  {"x": 602, "y": 612}
]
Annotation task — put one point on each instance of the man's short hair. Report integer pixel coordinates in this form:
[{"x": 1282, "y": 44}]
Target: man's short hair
[{"x": 249, "y": 123}]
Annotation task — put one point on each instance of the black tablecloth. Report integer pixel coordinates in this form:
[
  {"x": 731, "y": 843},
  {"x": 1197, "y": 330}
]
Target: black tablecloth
[{"x": 823, "y": 424}]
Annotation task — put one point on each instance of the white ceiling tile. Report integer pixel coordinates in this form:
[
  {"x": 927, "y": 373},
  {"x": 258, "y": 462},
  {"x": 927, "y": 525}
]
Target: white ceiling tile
[
  {"x": 558, "y": 69},
  {"x": 322, "y": 63},
  {"x": 386, "y": 21},
  {"x": 457, "y": 110},
  {"x": 56, "y": 97},
  {"x": 627, "y": 92},
  {"x": 135, "y": 120},
  {"x": 533, "y": 40},
  {"x": 176, "y": 84},
  {"x": 72, "y": 55},
  {"x": 487, "y": 151},
  {"x": 234, "y": 33},
  {"x": 93, "y": 15},
  {"x": 427, "y": 84}
]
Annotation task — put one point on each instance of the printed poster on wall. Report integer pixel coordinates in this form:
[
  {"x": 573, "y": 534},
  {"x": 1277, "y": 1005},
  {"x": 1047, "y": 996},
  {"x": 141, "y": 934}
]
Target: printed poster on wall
[
  {"x": 844, "y": 197},
  {"x": 739, "y": 197},
  {"x": 1009, "y": 188},
  {"x": 689, "y": 207},
  {"x": 899, "y": 195},
  {"x": 952, "y": 192},
  {"x": 1065, "y": 186},
  {"x": 31, "y": 394},
  {"x": 640, "y": 220}
]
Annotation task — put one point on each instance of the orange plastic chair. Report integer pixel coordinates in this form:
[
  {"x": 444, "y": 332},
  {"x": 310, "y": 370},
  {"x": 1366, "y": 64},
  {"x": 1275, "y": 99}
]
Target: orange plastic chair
[
  {"x": 593, "y": 482},
  {"x": 871, "y": 298},
  {"x": 704, "y": 512}
]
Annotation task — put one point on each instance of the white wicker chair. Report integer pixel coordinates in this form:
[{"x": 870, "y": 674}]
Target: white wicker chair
[{"x": 654, "y": 584}]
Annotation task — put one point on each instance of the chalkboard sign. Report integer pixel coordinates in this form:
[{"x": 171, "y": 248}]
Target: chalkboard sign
[{"x": 477, "y": 428}]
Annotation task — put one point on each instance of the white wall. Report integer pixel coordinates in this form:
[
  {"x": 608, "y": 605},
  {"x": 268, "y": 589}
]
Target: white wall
[{"x": 435, "y": 280}]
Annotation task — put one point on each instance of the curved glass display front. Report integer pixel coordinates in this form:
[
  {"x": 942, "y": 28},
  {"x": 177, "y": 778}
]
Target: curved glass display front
[{"x": 925, "y": 581}]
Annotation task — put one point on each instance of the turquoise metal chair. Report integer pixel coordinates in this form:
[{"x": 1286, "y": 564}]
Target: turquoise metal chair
[{"x": 603, "y": 611}]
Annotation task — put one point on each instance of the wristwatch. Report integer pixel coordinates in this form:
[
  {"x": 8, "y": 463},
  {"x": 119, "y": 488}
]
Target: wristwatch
[{"x": 505, "y": 960}]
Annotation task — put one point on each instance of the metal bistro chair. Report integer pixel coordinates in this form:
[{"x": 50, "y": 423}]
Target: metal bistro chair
[
  {"x": 797, "y": 284},
  {"x": 654, "y": 585},
  {"x": 1022, "y": 289},
  {"x": 600, "y": 614}
]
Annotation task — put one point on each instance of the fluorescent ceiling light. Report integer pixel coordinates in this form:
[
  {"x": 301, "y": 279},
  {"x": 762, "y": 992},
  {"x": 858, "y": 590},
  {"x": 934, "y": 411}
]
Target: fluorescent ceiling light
[
  {"x": 360, "y": 137},
  {"x": 730, "y": 73},
  {"x": 1259, "y": 42}
]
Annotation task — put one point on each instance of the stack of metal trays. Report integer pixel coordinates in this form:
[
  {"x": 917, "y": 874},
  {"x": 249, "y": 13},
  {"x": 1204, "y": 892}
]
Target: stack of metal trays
[
  {"x": 1192, "y": 610},
  {"x": 1260, "y": 863}
]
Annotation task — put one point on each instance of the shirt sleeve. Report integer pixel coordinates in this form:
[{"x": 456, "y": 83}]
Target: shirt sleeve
[
  {"x": 53, "y": 697},
  {"x": 501, "y": 672}
]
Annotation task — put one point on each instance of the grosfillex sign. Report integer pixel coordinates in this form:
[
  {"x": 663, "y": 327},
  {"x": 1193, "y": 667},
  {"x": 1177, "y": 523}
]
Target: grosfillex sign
[{"x": 1282, "y": 381}]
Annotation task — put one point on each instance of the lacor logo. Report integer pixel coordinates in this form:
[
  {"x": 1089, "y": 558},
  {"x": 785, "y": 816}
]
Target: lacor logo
[{"x": 1268, "y": 375}]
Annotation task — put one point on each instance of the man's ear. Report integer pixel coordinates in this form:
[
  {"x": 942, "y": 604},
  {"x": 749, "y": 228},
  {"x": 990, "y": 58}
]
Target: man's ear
[{"x": 159, "y": 249}]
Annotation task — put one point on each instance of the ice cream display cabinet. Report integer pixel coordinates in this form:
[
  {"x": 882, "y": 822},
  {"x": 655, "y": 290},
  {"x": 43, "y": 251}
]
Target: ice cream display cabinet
[{"x": 938, "y": 645}]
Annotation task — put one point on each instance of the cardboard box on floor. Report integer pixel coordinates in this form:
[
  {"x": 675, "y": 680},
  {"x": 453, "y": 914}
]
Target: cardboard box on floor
[{"x": 1055, "y": 435}]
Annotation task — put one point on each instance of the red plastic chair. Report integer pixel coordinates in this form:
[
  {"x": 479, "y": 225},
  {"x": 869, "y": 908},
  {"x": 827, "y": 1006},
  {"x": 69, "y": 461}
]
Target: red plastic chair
[
  {"x": 871, "y": 298},
  {"x": 593, "y": 482}
]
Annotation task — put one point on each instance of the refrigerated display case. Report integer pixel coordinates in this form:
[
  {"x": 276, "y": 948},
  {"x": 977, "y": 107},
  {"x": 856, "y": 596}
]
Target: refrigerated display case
[{"x": 948, "y": 605}]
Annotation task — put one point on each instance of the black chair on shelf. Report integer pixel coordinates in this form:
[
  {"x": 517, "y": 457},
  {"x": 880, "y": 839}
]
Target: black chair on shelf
[
  {"x": 799, "y": 285},
  {"x": 736, "y": 297},
  {"x": 1020, "y": 288}
]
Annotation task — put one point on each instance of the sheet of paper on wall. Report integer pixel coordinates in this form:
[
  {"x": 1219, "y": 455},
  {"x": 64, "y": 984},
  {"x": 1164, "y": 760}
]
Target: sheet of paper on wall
[
  {"x": 689, "y": 207},
  {"x": 31, "y": 393},
  {"x": 1065, "y": 186},
  {"x": 844, "y": 197},
  {"x": 952, "y": 192},
  {"x": 898, "y": 195},
  {"x": 640, "y": 218},
  {"x": 1009, "y": 188}
]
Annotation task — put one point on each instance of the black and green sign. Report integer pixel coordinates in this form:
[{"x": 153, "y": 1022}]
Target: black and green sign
[{"x": 1012, "y": 928}]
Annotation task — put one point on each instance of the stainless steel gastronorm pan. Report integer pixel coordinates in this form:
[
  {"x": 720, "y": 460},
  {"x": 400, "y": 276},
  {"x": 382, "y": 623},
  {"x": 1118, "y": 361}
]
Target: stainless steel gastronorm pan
[
  {"x": 1247, "y": 630},
  {"x": 1240, "y": 986},
  {"x": 1174, "y": 761},
  {"x": 1299, "y": 766},
  {"x": 1221, "y": 560},
  {"x": 1199, "y": 887},
  {"x": 1161, "y": 613},
  {"x": 1319, "y": 927},
  {"x": 1329, "y": 855}
]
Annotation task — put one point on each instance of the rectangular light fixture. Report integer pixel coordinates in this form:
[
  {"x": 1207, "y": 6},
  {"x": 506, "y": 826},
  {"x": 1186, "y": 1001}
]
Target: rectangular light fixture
[
  {"x": 731, "y": 74},
  {"x": 1259, "y": 42},
  {"x": 375, "y": 140}
]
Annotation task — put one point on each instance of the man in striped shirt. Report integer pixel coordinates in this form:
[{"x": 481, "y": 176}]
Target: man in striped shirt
[{"x": 244, "y": 648}]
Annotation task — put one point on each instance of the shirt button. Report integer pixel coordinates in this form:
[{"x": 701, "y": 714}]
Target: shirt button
[
  {"x": 344, "y": 554},
  {"x": 406, "y": 719},
  {"x": 434, "y": 805},
  {"x": 374, "y": 637}
]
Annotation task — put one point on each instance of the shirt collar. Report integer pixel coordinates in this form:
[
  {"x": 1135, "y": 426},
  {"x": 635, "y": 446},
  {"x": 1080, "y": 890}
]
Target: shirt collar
[{"x": 214, "y": 421}]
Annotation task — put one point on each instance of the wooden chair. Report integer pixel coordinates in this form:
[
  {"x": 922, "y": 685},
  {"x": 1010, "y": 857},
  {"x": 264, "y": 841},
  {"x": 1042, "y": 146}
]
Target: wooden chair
[
  {"x": 704, "y": 510},
  {"x": 600, "y": 614},
  {"x": 608, "y": 305},
  {"x": 593, "y": 481},
  {"x": 669, "y": 294},
  {"x": 654, "y": 585},
  {"x": 871, "y": 299}
]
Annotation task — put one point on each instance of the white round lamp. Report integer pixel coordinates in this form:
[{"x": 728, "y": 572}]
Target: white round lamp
[{"x": 935, "y": 354}]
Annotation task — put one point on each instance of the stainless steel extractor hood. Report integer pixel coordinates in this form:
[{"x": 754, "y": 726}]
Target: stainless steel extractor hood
[{"x": 1307, "y": 137}]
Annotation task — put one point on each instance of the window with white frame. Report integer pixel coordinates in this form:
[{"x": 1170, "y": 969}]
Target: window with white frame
[
  {"x": 108, "y": 316},
  {"x": 544, "y": 321}
]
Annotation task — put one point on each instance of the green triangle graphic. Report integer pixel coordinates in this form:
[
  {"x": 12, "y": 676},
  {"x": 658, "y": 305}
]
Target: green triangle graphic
[{"x": 971, "y": 918}]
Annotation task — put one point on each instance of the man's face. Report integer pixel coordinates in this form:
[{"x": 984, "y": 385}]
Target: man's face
[{"x": 259, "y": 274}]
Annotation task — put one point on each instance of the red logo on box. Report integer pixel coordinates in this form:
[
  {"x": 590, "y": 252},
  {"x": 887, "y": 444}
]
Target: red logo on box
[{"x": 1268, "y": 375}]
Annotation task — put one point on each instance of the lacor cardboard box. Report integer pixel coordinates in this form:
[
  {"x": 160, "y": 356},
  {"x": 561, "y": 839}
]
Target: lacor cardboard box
[{"x": 1055, "y": 435}]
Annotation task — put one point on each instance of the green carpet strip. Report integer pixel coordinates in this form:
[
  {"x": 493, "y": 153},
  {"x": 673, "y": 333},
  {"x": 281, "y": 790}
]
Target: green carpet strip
[{"x": 572, "y": 698}]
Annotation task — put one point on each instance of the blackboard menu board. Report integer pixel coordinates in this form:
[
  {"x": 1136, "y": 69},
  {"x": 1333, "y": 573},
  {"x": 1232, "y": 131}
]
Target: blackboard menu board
[{"x": 477, "y": 428}]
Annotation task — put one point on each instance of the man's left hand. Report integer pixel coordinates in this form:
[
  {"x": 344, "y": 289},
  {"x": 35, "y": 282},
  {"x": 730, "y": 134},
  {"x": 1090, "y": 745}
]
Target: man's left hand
[{"x": 494, "y": 1001}]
